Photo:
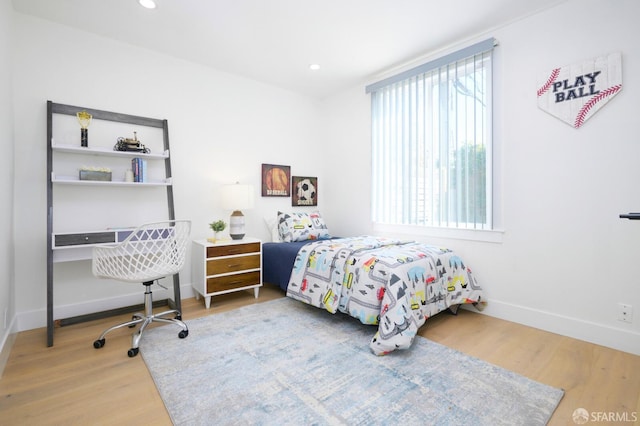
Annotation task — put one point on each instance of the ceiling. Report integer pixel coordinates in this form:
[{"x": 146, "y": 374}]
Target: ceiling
[{"x": 275, "y": 41}]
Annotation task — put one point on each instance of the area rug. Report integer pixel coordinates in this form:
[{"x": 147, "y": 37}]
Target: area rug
[{"x": 283, "y": 362}]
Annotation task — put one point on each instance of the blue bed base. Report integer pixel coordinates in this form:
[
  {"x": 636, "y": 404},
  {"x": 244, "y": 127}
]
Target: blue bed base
[{"x": 277, "y": 262}]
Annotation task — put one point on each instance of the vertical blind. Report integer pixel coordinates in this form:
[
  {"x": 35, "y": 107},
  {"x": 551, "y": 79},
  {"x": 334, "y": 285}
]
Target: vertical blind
[{"x": 431, "y": 143}]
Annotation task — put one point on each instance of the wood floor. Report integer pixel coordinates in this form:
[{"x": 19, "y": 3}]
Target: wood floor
[{"x": 73, "y": 383}]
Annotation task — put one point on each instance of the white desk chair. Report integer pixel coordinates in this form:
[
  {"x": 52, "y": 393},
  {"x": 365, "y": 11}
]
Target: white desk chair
[{"x": 152, "y": 251}]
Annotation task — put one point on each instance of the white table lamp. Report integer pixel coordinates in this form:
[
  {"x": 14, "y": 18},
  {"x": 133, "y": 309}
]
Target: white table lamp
[{"x": 237, "y": 197}]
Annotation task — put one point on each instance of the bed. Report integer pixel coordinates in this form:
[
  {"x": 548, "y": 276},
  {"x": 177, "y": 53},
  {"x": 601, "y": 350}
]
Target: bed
[{"x": 394, "y": 284}]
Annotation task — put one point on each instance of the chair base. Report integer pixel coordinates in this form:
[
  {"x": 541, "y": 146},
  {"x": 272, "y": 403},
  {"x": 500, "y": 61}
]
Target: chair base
[{"x": 145, "y": 319}]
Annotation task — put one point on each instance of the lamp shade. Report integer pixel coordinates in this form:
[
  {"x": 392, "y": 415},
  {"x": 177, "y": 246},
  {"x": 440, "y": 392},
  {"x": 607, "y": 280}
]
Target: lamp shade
[{"x": 237, "y": 196}]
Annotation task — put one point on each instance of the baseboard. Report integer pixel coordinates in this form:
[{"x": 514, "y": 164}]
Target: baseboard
[
  {"x": 611, "y": 337},
  {"x": 6, "y": 344},
  {"x": 38, "y": 318}
]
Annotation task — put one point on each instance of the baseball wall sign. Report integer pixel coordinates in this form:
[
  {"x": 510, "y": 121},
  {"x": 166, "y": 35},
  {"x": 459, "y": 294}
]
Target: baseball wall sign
[{"x": 574, "y": 93}]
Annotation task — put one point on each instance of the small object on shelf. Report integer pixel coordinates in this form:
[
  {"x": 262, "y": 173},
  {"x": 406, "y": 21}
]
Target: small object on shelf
[
  {"x": 128, "y": 176},
  {"x": 102, "y": 174},
  {"x": 84, "y": 118},
  {"x": 131, "y": 145}
]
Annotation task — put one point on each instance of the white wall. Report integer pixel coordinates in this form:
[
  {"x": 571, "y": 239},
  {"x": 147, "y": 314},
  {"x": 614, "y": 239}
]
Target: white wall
[
  {"x": 222, "y": 128},
  {"x": 7, "y": 297},
  {"x": 566, "y": 260}
]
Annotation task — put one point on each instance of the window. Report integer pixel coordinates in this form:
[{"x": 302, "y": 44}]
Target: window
[{"x": 431, "y": 143}]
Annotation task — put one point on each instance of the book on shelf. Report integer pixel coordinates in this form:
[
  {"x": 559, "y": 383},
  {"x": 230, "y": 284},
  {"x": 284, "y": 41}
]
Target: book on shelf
[{"x": 139, "y": 168}]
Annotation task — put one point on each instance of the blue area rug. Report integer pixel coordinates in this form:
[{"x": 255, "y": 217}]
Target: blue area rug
[{"x": 283, "y": 362}]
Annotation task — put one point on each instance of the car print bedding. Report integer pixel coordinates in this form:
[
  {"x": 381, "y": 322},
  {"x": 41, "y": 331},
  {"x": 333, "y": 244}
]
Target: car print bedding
[{"x": 394, "y": 284}]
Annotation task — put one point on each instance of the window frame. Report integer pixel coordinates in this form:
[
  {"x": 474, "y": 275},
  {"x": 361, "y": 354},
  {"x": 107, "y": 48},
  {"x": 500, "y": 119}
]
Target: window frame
[{"x": 487, "y": 230}]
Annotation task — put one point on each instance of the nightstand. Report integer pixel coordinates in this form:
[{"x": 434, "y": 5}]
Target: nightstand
[{"x": 225, "y": 267}]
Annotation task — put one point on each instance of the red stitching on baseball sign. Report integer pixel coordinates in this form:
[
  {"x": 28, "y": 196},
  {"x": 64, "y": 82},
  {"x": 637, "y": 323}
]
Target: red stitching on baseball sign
[
  {"x": 584, "y": 111},
  {"x": 549, "y": 82}
]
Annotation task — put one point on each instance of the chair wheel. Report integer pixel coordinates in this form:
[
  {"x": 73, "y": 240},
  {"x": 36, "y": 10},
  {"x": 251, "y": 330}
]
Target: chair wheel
[
  {"x": 133, "y": 352},
  {"x": 183, "y": 334},
  {"x": 98, "y": 343}
]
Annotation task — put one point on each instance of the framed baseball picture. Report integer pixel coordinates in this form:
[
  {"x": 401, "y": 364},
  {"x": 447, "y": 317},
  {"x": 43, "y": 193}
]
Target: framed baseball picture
[
  {"x": 304, "y": 191},
  {"x": 276, "y": 180}
]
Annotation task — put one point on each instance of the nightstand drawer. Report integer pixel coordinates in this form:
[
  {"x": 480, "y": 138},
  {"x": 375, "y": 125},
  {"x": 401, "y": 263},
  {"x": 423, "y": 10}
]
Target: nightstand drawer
[
  {"x": 229, "y": 282},
  {"x": 230, "y": 250},
  {"x": 232, "y": 264}
]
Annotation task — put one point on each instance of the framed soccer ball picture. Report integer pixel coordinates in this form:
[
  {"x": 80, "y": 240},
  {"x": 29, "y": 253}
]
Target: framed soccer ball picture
[{"x": 304, "y": 191}]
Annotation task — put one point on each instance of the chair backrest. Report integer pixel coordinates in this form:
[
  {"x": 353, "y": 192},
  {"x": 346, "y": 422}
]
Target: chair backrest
[{"x": 151, "y": 251}]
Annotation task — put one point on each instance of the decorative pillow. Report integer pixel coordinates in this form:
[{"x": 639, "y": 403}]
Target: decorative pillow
[{"x": 301, "y": 226}]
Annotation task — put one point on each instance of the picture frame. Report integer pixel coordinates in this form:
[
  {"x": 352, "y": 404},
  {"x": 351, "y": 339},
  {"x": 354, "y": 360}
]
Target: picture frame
[
  {"x": 276, "y": 180},
  {"x": 304, "y": 191}
]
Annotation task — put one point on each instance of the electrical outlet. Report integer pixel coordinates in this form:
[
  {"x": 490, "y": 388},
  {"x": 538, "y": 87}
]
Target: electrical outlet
[{"x": 625, "y": 313}]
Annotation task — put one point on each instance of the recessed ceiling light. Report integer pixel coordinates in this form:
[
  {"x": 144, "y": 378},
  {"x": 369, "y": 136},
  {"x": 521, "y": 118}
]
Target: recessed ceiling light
[
  {"x": 314, "y": 67},
  {"x": 149, "y": 4}
]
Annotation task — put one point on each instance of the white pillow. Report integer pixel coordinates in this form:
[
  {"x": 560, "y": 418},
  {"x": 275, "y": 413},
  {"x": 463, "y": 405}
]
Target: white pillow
[
  {"x": 272, "y": 225},
  {"x": 302, "y": 226}
]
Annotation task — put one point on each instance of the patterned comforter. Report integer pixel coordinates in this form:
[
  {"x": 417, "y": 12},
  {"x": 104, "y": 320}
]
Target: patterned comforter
[{"x": 394, "y": 284}]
